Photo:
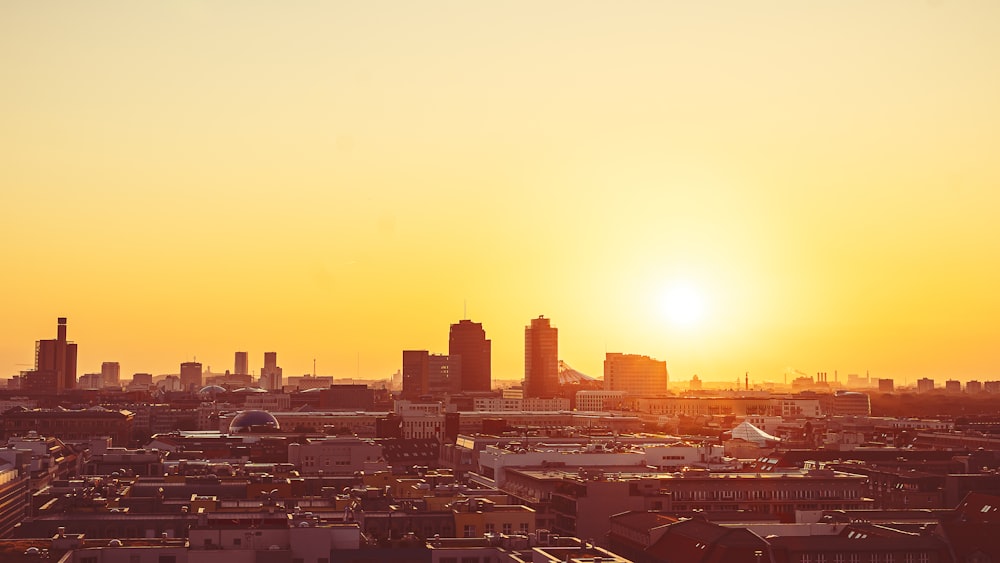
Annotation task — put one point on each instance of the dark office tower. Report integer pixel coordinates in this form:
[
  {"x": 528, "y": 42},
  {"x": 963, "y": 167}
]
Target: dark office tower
[
  {"x": 55, "y": 362},
  {"x": 270, "y": 374},
  {"x": 428, "y": 374},
  {"x": 111, "y": 374},
  {"x": 541, "y": 359},
  {"x": 241, "y": 364},
  {"x": 191, "y": 376},
  {"x": 468, "y": 341},
  {"x": 416, "y": 373}
]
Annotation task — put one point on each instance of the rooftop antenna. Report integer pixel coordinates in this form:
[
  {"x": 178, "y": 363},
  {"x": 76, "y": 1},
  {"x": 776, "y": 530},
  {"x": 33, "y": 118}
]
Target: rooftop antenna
[
  {"x": 465, "y": 309},
  {"x": 314, "y": 367}
]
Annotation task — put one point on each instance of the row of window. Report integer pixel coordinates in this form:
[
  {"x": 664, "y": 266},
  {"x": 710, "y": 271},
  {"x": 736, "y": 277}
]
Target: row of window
[{"x": 922, "y": 557}]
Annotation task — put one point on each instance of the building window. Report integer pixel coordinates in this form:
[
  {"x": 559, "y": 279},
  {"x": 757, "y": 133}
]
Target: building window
[
  {"x": 507, "y": 528},
  {"x": 469, "y": 530},
  {"x": 490, "y": 527},
  {"x": 168, "y": 559},
  {"x": 524, "y": 527}
]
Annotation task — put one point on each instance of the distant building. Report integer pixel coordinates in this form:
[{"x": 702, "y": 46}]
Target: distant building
[
  {"x": 429, "y": 374},
  {"x": 270, "y": 374},
  {"x": 55, "y": 364},
  {"x": 242, "y": 366},
  {"x": 70, "y": 425},
  {"x": 90, "y": 381},
  {"x": 886, "y": 385},
  {"x": 851, "y": 403},
  {"x": 599, "y": 400},
  {"x": 191, "y": 376},
  {"x": 953, "y": 386},
  {"x": 695, "y": 384},
  {"x": 635, "y": 375},
  {"x": 973, "y": 386},
  {"x": 111, "y": 374},
  {"x": 541, "y": 358},
  {"x": 991, "y": 386},
  {"x": 468, "y": 341},
  {"x": 141, "y": 382},
  {"x": 925, "y": 384}
]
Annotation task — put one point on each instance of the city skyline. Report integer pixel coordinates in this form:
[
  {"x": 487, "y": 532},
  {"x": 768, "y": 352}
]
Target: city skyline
[{"x": 728, "y": 188}]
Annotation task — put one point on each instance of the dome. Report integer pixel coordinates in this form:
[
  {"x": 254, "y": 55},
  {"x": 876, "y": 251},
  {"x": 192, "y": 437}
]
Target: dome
[
  {"x": 253, "y": 421},
  {"x": 250, "y": 390},
  {"x": 211, "y": 390}
]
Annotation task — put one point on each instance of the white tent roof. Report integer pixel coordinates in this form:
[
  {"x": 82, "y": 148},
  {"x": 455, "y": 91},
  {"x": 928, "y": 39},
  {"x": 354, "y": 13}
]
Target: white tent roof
[{"x": 751, "y": 433}]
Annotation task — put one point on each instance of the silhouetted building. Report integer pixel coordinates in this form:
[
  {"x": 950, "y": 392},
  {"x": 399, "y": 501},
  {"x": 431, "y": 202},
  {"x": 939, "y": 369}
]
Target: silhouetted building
[
  {"x": 55, "y": 364},
  {"x": 70, "y": 425},
  {"x": 429, "y": 374},
  {"x": 925, "y": 384},
  {"x": 242, "y": 366},
  {"x": 541, "y": 358},
  {"x": 634, "y": 374},
  {"x": 191, "y": 376},
  {"x": 468, "y": 341},
  {"x": 885, "y": 385},
  {"x": 973, "y": 386},
  {"x": 953, "y": 386},
  {"x": 270, "y": 374},
  {"x": 111, "y": 374}
]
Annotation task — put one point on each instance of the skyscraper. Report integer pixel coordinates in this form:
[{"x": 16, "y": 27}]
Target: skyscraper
[
  {"x": 270, "y": 374},
  {"x": 111, "y": 374},
  {"x": 191, "y": 376},
  {"x": 541, "y": 358},
  {"x": 55, "y": 363},
  {"x": 241, "y": 364},
  {"x": 468, "y": 341},
  {"x": 639, "y": 376}
]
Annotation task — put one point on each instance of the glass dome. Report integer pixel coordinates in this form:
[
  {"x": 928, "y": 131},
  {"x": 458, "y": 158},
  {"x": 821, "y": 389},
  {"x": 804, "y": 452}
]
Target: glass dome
[{"x": 254, "y": 421}]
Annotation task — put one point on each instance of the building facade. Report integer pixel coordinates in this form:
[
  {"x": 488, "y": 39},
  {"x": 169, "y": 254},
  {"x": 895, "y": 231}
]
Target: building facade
[
  {"x": 541, "y": 358},
  {"x": 636, "y": 375},
  {"x": 468, "y": 341}
]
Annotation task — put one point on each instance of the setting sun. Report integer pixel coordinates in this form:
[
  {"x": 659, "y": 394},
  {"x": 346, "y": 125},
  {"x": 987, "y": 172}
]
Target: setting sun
[{"x": 683, "y": 306}]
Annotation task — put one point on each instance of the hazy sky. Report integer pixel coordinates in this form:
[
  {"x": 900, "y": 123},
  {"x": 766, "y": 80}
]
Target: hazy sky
[{"x": 333, "y": 180}]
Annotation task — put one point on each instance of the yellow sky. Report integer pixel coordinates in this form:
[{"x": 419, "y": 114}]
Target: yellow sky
[{"x": 332, "y": 180}]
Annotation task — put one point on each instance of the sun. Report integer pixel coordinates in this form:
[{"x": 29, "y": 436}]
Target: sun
[{"x": 683, "y": 305}]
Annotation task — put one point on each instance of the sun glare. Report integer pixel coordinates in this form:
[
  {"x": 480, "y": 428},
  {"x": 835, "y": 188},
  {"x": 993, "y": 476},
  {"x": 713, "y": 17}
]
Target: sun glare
[{"x": 683, "y": 306}]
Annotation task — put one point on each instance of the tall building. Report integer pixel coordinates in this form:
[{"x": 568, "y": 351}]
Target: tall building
[
  {"x": 111, "y": 374},
  {"x": 55, "y": 363},
  {"x": 270, "y": 374},
  {"x": 925, "y": 385},
  {"x": 241, "y": 367},
  {"x": 636, "y": 375},
  {"x": 191, "y": 376},
  {"x": 468, "y": 341},
  {"x": 541, "y": 359},
  {"x": 428, "y": 374}
]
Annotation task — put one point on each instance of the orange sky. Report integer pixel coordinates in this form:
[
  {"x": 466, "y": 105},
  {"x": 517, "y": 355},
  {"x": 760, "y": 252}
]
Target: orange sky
[{"x": 332, "y": 180}]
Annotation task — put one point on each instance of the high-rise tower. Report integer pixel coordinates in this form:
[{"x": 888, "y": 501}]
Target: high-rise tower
[
  {"x": 241, "y": 364},
  {"x": 111, "y": 374},
  {"x": 468, "y": 341},
  {"x": 191, "y": 376},
  {"x": 541, "y": 359},
  {"x": 270, "y": 374}
]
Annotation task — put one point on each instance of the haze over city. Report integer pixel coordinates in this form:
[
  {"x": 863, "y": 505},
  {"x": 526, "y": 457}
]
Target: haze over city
[{"x": 727, "y": 187}]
